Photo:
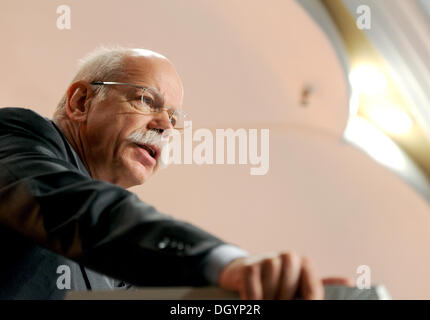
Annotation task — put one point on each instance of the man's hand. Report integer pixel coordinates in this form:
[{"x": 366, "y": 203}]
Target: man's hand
[{"x": 275, "y": 276}]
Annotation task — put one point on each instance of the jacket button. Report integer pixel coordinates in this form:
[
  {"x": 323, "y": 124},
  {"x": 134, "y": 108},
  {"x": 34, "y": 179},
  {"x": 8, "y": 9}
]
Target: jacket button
[{"x": 163, "y": 244}]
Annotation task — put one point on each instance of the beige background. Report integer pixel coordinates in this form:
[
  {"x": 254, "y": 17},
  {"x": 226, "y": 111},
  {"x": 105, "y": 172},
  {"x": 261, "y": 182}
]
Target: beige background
[{"x": 243, "y": 65}]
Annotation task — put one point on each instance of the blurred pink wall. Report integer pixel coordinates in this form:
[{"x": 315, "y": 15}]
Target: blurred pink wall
[{"x": 243, "y": 65}]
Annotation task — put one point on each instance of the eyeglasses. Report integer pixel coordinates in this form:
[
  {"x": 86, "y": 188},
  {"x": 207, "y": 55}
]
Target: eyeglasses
[{"x": 151, "y": 101}]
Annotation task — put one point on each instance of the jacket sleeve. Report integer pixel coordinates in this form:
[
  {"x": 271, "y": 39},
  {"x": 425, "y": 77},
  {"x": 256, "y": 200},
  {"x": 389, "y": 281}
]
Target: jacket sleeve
[{"x": 98, "y": 224}]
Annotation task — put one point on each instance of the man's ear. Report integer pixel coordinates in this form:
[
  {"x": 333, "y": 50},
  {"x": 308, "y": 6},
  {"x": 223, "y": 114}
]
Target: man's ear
[{"x": 79, "y": 96}]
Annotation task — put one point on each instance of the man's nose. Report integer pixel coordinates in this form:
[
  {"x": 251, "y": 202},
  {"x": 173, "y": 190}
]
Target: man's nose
[{"x": 160, "y": 121}]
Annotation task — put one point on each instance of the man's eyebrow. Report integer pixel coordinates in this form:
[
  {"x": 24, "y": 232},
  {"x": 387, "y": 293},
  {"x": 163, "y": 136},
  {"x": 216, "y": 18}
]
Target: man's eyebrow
[
  {"x": 136, "y": 88},
  {"x": 154, "y": 91}
]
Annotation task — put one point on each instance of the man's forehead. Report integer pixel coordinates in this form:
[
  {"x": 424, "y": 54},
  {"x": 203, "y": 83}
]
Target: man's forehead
[{"x": 156, "y": 72}]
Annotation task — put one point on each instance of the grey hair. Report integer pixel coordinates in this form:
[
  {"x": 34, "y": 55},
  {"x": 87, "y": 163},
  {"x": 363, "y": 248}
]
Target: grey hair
[{"x": 103, "y": 64}]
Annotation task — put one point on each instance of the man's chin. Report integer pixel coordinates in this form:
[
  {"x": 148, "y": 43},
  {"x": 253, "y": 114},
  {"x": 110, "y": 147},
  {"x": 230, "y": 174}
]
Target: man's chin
[{"x": 141, "y": 174}]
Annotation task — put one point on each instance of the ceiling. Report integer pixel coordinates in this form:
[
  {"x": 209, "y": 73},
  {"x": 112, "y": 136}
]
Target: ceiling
[
  {"x": 398, "y": 48},
  {"x": 220, "y": 51}
]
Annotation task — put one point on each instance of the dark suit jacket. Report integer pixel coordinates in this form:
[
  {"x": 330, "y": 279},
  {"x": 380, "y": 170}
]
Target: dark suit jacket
[{"x": 53, "y": 213}]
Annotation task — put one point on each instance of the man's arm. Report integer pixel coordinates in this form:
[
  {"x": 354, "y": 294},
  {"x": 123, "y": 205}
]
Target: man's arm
[
  {"x": 108, "y": 229},
  {"x": 98, "y": 224}
]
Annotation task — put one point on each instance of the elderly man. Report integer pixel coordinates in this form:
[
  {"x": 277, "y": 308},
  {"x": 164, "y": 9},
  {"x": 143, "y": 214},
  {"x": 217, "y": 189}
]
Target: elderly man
[{"x": 64, "y": 202}]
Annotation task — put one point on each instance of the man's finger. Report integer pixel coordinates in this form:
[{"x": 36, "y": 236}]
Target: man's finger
[
  {"x": 349, "y": 282},
  {"x": 271, "y": 272},
  {"x": 290, "y": 276},
  {"x": 253, "y": 289},
  {"x": 311, "y": 286}
]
